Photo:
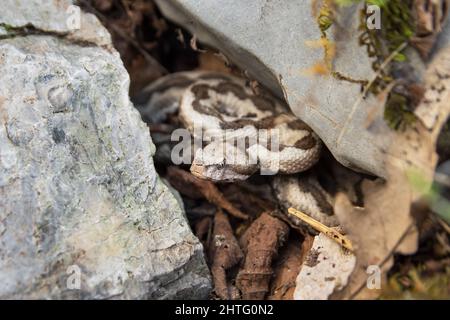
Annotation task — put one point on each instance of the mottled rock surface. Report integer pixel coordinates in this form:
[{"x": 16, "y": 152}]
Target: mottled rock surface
[
  {"x": 326, "y": 268},
  {"x": 83, "y": 213}
]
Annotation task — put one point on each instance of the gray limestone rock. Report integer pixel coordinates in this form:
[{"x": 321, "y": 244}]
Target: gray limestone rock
[{"x": 83, "y": 213}]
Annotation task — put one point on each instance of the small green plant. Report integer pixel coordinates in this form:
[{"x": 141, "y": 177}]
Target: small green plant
[{"x": 397, "y": 29}]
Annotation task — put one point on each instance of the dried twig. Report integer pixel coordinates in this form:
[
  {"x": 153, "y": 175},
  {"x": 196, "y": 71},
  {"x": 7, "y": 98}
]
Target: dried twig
[
  {"x": 249, "y": 201},
  {"x": 205, "y": 187},
  {"x": 330, "y": 232}
]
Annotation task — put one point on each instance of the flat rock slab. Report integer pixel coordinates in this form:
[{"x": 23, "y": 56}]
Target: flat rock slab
[{"x": 83, "y": 213}]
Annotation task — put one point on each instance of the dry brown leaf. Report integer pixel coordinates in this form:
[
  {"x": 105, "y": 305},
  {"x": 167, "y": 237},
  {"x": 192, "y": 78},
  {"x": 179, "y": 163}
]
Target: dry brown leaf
[
  {"x": 288, "y": 267},
  {"x": 385, "y": 225},
  {"x": 376, "y": 229},
  {"x": 212, "y": 62},
  {"x": 430, "y": 16}
]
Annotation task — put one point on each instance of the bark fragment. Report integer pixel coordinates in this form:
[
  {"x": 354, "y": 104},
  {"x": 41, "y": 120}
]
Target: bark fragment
[
  {"x": 260, "y": 242},
  {"x": 288, "y": 267},
  {"x": 224, "y": 253}
]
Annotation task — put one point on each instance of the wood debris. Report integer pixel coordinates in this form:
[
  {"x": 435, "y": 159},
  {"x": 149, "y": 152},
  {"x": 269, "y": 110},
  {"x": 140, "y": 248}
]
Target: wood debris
[
  {"x": 224, "y": 254},
  {"x": 288, "y": 267},
  {"x": 191, "y": 186},
  {"x": 260, "y": 242}
]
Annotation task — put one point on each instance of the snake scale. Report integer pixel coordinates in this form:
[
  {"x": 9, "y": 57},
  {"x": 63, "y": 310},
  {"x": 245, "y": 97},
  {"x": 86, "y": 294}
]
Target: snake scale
[
  {"x": 222, "y": 111},
  {"x": 227, "y": 113}
]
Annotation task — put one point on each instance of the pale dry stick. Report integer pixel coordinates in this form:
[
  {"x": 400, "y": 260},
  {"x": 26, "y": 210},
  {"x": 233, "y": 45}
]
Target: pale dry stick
[
  {"x": 366, "y": 89},
  {"x": 330, "y": 232}
]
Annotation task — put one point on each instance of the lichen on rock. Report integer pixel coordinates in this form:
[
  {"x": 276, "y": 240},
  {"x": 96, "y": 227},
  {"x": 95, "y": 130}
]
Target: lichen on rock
[{"x": 83, "y": 212}]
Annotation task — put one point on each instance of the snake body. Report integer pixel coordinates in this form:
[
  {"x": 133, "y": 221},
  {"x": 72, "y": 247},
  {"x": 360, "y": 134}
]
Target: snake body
[
  {"x": 236, "y": 126},
  {"x": 222, "y": 108}
]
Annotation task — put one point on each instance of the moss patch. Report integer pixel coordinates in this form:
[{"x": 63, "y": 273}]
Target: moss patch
[{"x": 397, "y": 27}]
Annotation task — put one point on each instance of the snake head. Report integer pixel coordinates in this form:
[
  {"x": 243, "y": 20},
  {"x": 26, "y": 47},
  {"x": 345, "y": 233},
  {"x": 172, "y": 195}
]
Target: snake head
[{"x": 222, "y": 161}]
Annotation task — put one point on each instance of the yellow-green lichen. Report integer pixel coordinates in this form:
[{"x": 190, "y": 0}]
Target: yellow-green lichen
[{"x": 325, "y": 19}]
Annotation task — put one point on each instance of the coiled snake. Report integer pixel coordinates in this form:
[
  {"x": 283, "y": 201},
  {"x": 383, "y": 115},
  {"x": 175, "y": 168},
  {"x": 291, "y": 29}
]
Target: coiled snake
[
  {"x": 240, "y": 132},
  {"x": 236, "y": 129}
]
